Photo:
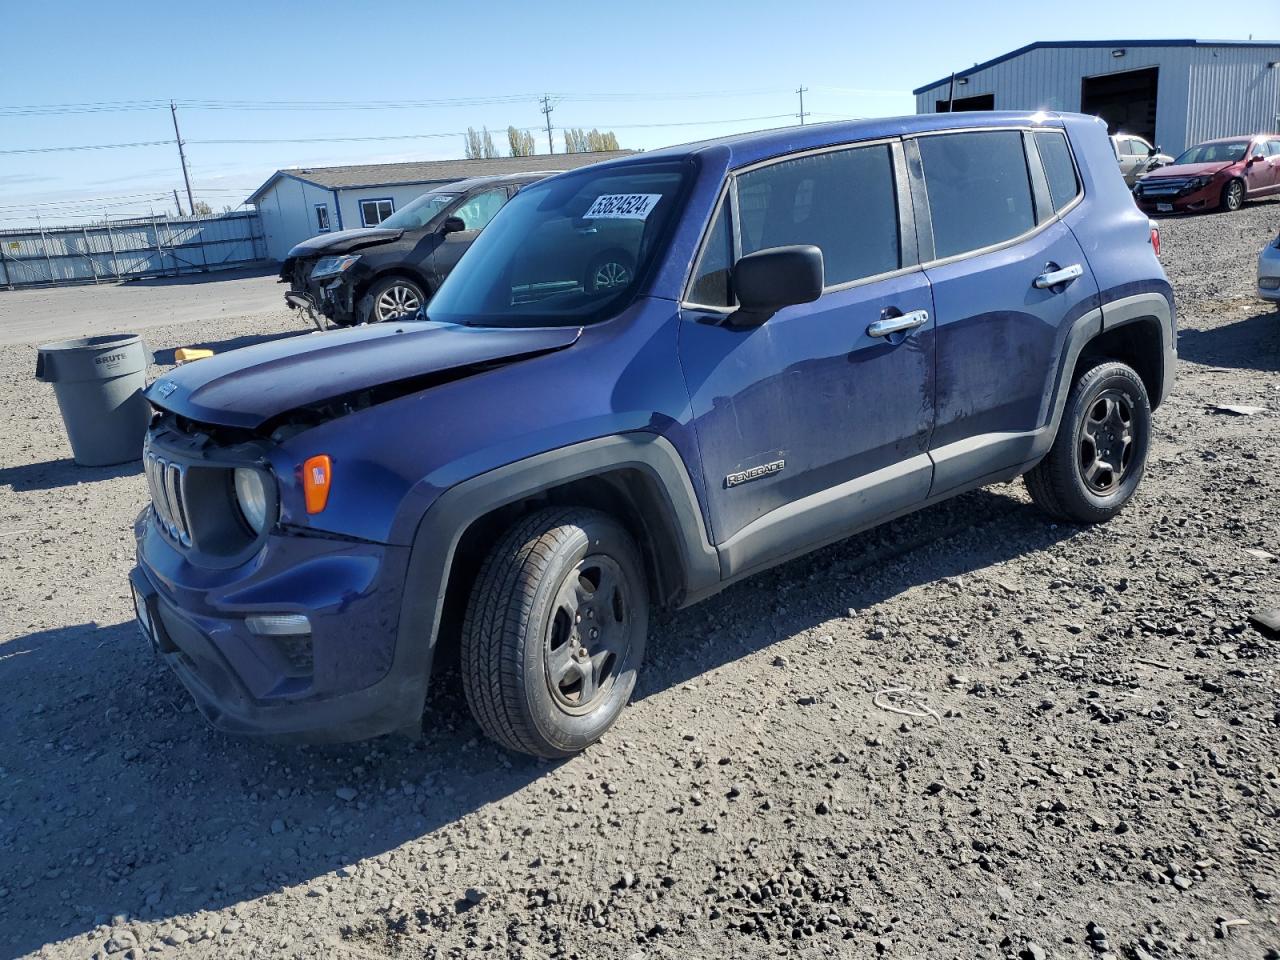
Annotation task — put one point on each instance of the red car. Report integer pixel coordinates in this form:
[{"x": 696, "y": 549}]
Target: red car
[{"x": 1215, "y": 174}]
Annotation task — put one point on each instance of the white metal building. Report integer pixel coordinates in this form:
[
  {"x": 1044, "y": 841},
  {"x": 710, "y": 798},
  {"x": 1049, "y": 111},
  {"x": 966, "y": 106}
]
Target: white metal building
[
  {"x": 1172, "y": 92},
  {"x": 299, "y": 203}
]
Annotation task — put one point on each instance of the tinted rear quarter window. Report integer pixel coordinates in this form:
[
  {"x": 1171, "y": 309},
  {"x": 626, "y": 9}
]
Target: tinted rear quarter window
[
  {"x": 978, "y": 188},
  {"x": 711, "y": 282},
  {"x": 1059, "y": 170},
  {"x": 842, "y": 202}
]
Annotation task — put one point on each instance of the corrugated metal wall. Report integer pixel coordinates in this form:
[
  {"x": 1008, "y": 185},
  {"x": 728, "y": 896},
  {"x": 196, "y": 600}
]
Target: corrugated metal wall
[
  {"x": 115, "y": 251},
  {"x": 1202, "y": 91},
  {"x": 1231, "y": 92}
]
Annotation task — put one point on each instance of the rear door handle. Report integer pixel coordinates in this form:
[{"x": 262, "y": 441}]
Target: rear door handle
[
  {"x": 1055, "y": 277},
  {"x": 906, "y": 321}
]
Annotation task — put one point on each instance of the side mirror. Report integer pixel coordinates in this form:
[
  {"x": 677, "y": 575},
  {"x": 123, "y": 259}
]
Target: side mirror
[
  {"x": 1256, "y": 158},
  {"x": 1152, "y": 151},
  {"x": 768, "y": 280},
  {"x": 452, "y": 225}
]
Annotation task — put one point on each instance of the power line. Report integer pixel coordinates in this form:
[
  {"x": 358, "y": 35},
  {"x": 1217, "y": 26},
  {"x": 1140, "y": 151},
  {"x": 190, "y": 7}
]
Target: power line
[
  {"x": 395, "y": 136},
  {"x": 109, "y": 106}
]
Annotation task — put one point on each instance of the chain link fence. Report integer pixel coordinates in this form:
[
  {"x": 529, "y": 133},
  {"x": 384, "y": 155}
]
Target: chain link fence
[{"x": 126, "y": 249}]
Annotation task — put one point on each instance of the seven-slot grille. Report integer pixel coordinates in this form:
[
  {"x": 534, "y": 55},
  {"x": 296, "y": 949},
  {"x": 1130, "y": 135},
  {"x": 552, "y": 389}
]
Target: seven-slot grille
[{"x": 167, "y": 481}]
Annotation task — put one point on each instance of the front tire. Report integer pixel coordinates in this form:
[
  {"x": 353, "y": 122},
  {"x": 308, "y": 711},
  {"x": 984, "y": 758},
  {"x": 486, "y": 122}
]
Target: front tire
[
  {"x": 394, "y": 298},
  {"x": 1233, "y": 196},
  {"x": 555, "y": 631},
  {"x": 1100, "y": 453}
]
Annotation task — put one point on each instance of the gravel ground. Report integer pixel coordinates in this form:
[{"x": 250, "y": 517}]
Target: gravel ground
[{"x": 1093, "y": 771}]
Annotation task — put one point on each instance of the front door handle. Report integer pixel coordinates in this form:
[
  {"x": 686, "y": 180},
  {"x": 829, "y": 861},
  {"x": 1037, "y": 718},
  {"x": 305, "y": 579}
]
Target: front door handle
[
  {"x": 905, "y": 321},
  {"x": 1055, "y": 277}
]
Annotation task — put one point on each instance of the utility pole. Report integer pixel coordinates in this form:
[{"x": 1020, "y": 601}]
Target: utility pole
[
  {"x": 802, "y": 114},
  {"x": 176, "y": 203},
  {"x": 547, "y": 107},
  {"x": 191, "y": 200},
  {"x": 951, "y": 94}
]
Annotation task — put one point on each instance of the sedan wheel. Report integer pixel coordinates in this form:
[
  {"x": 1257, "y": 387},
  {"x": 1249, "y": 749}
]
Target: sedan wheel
[
  {"x": 395, "y": 299},
  {"x": 1233, "y": 196}
]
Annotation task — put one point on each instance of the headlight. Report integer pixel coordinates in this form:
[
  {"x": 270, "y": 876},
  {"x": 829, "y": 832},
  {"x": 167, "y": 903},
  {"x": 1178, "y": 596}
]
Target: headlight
[
  {"x": 331, "y": 266},
  {"x": 1203, "y": 181},
  {"x": 251, "y": 495}
]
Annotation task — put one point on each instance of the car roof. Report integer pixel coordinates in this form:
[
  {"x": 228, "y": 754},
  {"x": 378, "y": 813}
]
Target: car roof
[
  {"x": 1235, "y": 139},
  {"x": 746, "y": 148},
  {"x": 471, "y": 183}
]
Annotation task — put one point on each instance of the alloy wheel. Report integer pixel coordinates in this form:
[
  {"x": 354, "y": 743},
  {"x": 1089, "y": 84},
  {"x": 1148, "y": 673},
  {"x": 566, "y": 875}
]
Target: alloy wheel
[
  {"x": 1106, "y": 442},
  {"x": 396, "y": 302},
  {"x": 1235, "y": 195},
  {"x": 610, "y": 275},
  {"x": 589, "y": 634}
]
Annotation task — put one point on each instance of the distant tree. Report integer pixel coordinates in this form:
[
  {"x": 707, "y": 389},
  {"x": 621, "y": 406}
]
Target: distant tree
[
  {"x": 489, "y": 150},
  {"x": 474, "y": 144},
  {"x": 521, "y": 142},
  {"x": 577, "y": 140},
  {"x": 202, "y": 209},
  {"x": 597, "y": 141}
]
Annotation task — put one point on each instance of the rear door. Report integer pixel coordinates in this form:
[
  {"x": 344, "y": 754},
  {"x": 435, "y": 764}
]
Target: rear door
[
  {"x": 1009, "y": 279},
  {"x": 812, "y": 424}
]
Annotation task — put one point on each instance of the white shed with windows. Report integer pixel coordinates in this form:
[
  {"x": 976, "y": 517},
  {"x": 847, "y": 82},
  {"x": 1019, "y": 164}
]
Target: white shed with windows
[{"x": 299, "y": 203}]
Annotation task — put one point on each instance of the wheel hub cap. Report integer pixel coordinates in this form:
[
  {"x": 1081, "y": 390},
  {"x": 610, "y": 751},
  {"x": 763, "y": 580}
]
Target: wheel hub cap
[
  {"x": 611, "y": 275},
  {"x": 1106, "y": 442},
  {"x": 397, "y": 302},
  {"x": 589, "y": 634}
]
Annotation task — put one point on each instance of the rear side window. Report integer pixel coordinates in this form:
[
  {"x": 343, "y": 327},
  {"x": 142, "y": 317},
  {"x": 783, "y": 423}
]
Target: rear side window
[
  {"x": 1059, "y": 171},
  {"x": 978, "y": 188},
  {"x": 842, "y": 202},
  {"x": 711, "y": 282}
]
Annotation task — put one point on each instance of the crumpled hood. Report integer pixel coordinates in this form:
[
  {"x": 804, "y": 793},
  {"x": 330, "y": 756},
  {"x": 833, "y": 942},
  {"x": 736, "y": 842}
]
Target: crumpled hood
[
  {"x": 250, "y": 386},
  {"x": 344, "y": 241},
  {"x": 1185, "y": 170}
]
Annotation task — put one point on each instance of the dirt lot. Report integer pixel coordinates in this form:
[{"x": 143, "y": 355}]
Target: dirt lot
[{"x": 1097, "y": 772}]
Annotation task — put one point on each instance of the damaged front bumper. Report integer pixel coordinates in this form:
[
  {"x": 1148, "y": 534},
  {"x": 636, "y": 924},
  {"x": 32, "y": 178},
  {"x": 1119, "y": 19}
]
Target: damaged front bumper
[{"x": 345, "y": 678}]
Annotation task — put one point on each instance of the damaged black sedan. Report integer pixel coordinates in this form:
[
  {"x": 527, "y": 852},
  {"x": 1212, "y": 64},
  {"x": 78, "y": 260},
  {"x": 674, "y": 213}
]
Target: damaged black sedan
[{"x": 387, "y": 272}]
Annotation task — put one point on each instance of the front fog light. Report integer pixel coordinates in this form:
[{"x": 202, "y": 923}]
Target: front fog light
[
  {"x": 278, "y": 625},
  {"x": 251, "y": 495}
]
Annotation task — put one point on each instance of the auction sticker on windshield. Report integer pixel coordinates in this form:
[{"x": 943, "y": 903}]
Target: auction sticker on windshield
[{"x": 622, "y": 206}]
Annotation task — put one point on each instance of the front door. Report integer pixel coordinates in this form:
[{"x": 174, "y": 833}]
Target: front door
[
  {"x": 812, "y": 425},
  {"x": 475, "y": 211}
]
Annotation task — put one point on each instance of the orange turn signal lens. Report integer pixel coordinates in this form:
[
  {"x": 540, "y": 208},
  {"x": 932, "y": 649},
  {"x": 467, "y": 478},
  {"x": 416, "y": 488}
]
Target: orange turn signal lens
[{"x": 317, "y": 473}]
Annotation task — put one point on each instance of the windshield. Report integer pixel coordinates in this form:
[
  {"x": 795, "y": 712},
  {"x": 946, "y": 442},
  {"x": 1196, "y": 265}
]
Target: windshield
[
  {"x": 568, "y": 250},
  {"x": 1231, "y": 151},
  {"x": 419, "y": 213}
]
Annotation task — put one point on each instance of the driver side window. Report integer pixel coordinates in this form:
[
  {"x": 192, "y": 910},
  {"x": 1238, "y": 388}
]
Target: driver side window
[{"x": 480, "y": 209}]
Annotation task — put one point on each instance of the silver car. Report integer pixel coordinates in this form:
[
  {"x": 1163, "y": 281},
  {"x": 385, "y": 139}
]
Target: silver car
[
  {"x": 1136, "y": 156},
  {"x": 1269, "y": 271}
]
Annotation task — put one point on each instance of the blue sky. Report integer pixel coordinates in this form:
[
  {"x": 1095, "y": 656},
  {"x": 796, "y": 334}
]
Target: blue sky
[{"x": 657, "y": 72}]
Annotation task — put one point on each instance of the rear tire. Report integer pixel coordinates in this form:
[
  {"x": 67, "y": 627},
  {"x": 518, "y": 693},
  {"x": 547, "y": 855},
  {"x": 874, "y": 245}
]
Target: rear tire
[
  {"x": 1233, "y": 196},
  {"x": 555, "y": 631},
  {"x": 1099, "y": 455}
]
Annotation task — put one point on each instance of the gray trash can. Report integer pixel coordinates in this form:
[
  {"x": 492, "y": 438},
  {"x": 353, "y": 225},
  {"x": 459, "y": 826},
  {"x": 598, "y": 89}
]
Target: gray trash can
[{"x": 99, "y": 382}]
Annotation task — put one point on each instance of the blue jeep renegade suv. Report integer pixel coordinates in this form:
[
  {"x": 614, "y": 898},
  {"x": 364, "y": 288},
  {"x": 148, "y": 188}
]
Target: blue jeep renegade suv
[{"x": 821, "y": 328}]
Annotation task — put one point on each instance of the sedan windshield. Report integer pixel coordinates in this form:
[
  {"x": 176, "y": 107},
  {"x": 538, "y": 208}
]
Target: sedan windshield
[
  {"x": 1231, "y": 151},
  {"x": 569, "y": 250},
  {"x": 419, "y": 213}
]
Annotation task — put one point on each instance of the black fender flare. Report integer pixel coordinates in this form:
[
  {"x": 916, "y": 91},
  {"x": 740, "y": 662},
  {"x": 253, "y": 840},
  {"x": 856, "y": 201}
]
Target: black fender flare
[
  {"x": 1113, "y": 314},
  {"x": 441, "y": 528}
]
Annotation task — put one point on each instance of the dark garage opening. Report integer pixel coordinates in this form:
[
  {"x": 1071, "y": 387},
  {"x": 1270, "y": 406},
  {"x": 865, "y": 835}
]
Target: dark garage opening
[
  {"x": 982, "y": 101},
  {"x": 1126, "y": 101}
]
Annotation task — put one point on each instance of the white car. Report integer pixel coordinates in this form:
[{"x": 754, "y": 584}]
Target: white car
[
  {"x": 1136, "y": 156},
  {"x": 1269, "y": 272}
]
